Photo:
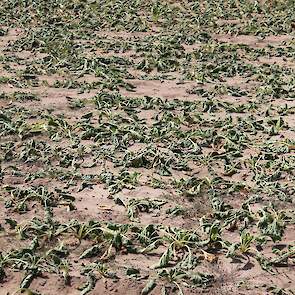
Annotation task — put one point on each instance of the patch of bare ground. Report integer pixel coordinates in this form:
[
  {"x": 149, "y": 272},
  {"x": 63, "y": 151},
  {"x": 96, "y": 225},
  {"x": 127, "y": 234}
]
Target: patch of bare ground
[
  {"x": 159, "y": 88},
  {"x": 253, "y": 41}
]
